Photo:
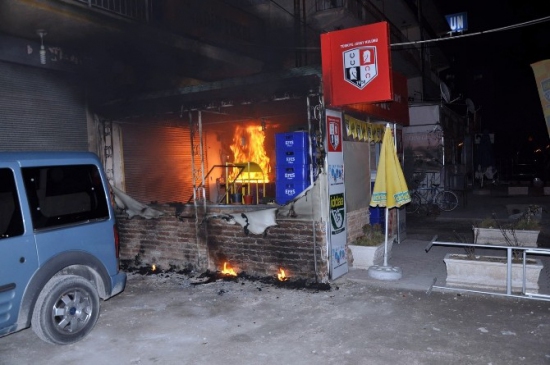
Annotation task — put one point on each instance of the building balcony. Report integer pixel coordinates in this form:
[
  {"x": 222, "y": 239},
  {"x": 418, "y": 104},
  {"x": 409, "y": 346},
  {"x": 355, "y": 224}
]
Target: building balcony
[{"x": 132, "y": 9}]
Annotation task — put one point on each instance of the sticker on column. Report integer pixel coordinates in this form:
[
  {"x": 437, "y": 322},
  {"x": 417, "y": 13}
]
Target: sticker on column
[{"x": 337, "y": 213}]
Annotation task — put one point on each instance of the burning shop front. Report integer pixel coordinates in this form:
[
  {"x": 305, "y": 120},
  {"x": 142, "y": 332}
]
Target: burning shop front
[
  {"x": 245, "y": 174},
  {"x": 234, "y": 169}
]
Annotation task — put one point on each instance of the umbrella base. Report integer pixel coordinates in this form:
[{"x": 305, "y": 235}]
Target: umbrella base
[{"x": 385, "y": 272}]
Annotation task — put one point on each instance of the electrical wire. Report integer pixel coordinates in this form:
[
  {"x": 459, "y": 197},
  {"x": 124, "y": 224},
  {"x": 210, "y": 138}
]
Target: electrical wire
[{"x": 509, "y": 27}]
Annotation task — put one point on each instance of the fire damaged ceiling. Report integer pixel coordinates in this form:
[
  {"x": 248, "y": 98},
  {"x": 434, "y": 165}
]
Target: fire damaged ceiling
[{"x": 253, "y": 96}]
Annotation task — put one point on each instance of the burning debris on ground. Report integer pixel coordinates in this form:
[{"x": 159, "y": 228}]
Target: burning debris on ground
[
  {"x": 269, "y": 280},
  {"x": 229, "y": 275}
]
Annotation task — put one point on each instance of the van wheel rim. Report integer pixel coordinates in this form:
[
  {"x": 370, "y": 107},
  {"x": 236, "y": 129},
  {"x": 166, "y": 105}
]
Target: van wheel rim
[{"x": 72, "y": 311}]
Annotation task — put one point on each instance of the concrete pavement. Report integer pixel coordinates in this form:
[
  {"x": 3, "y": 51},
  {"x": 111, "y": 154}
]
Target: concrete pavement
[{"x": 422, "y": 269}]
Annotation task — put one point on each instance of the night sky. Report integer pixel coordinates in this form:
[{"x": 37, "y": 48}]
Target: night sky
[{"x": 494, "y": 71}]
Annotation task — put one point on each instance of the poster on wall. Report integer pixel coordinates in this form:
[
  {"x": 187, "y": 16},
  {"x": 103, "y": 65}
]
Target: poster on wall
[
  {"x": 541, "y": 70},
  {"x": 336, "y": 231},
  {"x": 426, "y": 149}
]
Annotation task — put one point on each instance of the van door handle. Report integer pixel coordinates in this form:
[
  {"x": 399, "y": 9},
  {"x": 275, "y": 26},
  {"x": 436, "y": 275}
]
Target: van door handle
[{"x": 7, "y": 287}]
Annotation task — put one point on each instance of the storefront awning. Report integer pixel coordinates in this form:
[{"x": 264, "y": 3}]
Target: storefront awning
[{"x": 288, "y": 84}]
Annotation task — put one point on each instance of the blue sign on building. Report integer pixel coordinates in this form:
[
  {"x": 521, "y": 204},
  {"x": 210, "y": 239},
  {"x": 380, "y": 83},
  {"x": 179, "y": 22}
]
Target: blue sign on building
[{"x": 457, "y": 22}]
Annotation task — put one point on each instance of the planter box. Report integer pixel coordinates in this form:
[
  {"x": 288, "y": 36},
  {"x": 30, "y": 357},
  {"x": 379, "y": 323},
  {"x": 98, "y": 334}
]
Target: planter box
[
  {"x": 494, "y": 236},
  {"x": 489, "y": 273},
  {"x": 518, "y": 190},
  {"x": 366, "y": 256}
]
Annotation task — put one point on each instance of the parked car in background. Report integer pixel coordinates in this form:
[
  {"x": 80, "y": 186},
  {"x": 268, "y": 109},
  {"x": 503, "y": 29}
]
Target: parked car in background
[{"x": 58, "y": 244}]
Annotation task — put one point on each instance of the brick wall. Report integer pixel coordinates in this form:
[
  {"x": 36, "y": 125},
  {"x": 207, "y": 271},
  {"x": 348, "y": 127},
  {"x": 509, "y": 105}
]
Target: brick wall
[
  {"x": 167, "y": 241},
  {"x": 355, "y": 222},
  {"x": 298, "y": 246}
]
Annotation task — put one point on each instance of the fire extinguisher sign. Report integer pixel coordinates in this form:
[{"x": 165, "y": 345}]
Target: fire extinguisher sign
[{"x": 336, "y": 220}]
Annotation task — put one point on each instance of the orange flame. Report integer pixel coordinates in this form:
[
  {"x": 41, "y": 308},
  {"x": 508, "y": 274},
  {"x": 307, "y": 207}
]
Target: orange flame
[
  {"x": 153, "y": 267},
  {"x": 248, "y": 146},
  {"x": 228, "y": 271},
  {"x": 281, "y": 275}
]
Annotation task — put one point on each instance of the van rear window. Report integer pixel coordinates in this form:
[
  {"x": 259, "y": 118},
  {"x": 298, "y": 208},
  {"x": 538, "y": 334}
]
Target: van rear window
[
  {"x": 11, "y": 222},
  {"x": 60, "y": 195}
]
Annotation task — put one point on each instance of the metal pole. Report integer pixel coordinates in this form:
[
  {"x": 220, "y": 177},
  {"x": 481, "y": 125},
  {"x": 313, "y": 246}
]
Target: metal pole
[
  {"x": 192, "y": 136},
  {"x": 397, "y": 211},
  {"x": 509, "y": 270},
  {"x": 310, "y": 147},
  {"x": 524, "y": 283},
  {"x": 386, "y": 241},
  {"x": 201, "y": 146}
]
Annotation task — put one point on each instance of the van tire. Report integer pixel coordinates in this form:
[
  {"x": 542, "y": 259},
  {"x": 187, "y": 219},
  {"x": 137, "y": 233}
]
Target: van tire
[{"x": 66, "y": 310}]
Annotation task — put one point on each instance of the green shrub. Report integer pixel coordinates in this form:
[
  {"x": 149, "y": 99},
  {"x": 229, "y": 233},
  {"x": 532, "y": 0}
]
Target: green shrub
[{"x": 372, "y": 236}]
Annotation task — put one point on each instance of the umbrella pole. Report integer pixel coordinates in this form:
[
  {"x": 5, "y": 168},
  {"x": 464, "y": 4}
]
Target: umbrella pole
[{"x": 386, "y": 239}]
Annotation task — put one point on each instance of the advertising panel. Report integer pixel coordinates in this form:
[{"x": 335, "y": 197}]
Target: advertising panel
[
  {"x": 542, "y": 76},
  {"x": 356, "y": 65},
  {"x": 336, "y": 231}
]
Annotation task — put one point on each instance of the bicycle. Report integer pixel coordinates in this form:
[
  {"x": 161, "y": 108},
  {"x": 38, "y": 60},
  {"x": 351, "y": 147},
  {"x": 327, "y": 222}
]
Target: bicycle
[{"x": 445, "y": 200}]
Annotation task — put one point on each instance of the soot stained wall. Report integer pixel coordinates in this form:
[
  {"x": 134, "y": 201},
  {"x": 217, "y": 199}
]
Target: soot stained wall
[{"x": 172, "y": 241}]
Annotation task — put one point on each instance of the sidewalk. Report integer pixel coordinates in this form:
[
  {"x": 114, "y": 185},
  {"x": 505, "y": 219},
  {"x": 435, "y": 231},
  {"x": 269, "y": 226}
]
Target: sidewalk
[{"x": 423, "y": 269}]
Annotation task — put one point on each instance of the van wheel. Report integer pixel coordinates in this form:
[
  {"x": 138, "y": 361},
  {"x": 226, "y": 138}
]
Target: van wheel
[{"x": 66, "y": 310}]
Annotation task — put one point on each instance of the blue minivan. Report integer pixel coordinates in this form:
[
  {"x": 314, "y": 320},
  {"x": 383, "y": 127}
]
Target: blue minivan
[{"x": 58, "y": 244}]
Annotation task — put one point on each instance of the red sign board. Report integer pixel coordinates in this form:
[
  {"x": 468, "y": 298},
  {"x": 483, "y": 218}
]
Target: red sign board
[
  {"x": 356, "y": 65},
  {"x": 396, "y": 110}
]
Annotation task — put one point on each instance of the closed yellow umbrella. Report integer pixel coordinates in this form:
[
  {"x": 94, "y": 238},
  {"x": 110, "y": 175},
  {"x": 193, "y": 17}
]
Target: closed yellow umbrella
[
  {"x": 390, "y": 188},
  {"x": 390, "y": 191}
]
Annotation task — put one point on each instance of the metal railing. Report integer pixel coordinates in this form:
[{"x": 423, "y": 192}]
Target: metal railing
[
  {"x": 132, "y": 9},
  {"x": 509, "y": 254}
]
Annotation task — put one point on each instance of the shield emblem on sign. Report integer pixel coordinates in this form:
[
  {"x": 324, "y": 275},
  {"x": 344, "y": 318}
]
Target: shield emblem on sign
[
  {"x": 334, "y": 134},
  {"x": 360, "y": 66}
]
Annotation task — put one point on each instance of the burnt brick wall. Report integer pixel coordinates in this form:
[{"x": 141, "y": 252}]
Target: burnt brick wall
[
  {"x": 171, "y": 241},
  {"x": 166, "y": 241},
  {"x": 290, "y": 245}
]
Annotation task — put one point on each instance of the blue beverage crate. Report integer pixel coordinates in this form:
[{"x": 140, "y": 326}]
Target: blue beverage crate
[
  {"x": 286, "y": 191},
  {"x": 292, "y": 141},
  {"x": 377, "y": 216},
  {"x": 291, "y": 173},
  {"x": 292, "y": 157}
]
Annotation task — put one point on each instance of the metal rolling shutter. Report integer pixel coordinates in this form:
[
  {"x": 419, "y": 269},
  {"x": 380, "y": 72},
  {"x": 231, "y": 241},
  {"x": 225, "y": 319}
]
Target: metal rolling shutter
[
  {"x": 40, "y": 110},
  {"x": 157, "y": 162}
]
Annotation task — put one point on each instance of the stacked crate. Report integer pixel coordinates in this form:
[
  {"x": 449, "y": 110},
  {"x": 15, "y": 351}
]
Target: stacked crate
[
  {"x": 377, "y": 214},
  {"x": 293, "y": 165}
]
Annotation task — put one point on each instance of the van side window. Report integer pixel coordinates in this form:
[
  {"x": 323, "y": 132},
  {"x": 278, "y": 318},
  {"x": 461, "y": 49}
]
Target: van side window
[
  {"x": 11, "y": 222},
  {"x": 60, "y": 195}
]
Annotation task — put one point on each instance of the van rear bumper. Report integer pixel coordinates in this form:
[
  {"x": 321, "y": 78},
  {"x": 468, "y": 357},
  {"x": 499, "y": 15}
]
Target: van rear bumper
[{"x": 118, "y": 283}]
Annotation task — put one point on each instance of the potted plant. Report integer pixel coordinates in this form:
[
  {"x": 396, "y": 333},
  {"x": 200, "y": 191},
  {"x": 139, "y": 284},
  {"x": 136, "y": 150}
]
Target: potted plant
[
  {"x": 368, "y": 249},
  {"x": 525, "y": 230},
  {"x": 486, "y": 272}
]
